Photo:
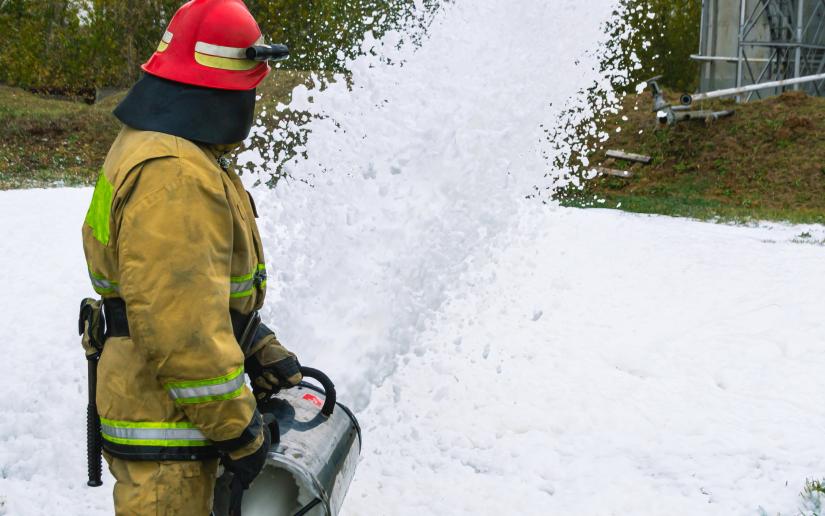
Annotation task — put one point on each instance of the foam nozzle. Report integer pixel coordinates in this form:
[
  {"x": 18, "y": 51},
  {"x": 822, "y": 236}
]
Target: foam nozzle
[{"x": 267, "y": 52}]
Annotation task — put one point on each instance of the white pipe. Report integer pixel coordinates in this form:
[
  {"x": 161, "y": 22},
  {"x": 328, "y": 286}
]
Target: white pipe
[
  {"x": 726, "y": 59},
  {"x": 754, "y": 87}
]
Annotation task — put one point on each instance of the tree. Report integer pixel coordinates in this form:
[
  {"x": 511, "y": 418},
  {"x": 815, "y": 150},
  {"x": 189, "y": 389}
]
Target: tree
[
  {"x": 37, "y": 41},
  {"x": 667, "y": 33}
]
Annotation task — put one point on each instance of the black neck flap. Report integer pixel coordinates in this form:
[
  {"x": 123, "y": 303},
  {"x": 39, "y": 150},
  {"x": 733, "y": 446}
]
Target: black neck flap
[{"x": 204, "y": 115}]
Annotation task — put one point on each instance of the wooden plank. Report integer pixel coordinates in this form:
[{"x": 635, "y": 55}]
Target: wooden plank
[
  {"x": 629, "y": 156},
  {"x": 624, "y": 174}
]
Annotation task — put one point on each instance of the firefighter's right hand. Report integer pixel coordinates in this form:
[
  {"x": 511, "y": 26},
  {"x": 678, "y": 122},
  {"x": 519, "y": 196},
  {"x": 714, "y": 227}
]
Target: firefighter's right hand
[{"x": 246, "y": 467}]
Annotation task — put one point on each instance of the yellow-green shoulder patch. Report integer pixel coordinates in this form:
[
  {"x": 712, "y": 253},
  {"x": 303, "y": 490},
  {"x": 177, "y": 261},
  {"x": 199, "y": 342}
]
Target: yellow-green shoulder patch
[{"x": 98, "y": 215}]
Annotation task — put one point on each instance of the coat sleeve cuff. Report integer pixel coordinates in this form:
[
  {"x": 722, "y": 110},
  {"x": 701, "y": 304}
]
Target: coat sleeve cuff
[
  {"x": 250, "y": 439},
  {"x": 263, "y": 335}
]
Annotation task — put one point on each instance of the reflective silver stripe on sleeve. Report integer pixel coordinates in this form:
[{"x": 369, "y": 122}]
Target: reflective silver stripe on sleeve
[
  {"x": 243, "y": 286},
  {"x": 103, "y": 283},
  {"x": 207, "y": 391},
  {"x": 167, "y": 37}
]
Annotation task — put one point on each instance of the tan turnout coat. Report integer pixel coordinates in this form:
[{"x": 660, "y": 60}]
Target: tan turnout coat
[{"x": 174, "y": 235}]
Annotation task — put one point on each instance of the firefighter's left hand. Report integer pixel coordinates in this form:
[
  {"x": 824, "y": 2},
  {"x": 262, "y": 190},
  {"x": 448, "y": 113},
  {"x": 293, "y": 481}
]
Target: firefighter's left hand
[{"x": 272, "y": 367}]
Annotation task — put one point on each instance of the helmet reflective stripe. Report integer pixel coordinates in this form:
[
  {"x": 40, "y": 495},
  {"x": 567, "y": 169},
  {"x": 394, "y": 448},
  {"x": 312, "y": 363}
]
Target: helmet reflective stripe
[
  {"x": 224, "y": 58},
  {"x": 152, "y": 434},
  {"x": 219, "y": 51},
  {"x": 165, "y": 40},
  {"x": 224, "y": 387}
]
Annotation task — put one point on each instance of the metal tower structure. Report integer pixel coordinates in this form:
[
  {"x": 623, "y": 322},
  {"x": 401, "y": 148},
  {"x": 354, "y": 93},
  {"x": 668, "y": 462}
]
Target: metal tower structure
[{"x": 745, "y": 42}]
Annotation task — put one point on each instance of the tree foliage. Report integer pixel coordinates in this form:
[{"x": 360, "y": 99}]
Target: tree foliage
[
  {"x": 666, "y": 34},
  {"x": 75, "y": 46},
  {"x": 324, "y": 33},
  {"x": 36, "y": 42}
]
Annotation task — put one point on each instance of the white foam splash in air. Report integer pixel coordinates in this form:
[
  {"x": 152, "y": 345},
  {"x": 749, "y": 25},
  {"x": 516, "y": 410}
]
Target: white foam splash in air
[{"x": 413, "y": 169}]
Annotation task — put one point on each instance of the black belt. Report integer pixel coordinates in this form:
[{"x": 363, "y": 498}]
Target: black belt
[
  {"x": 114, "y": 313},
  {"x": 244, "y": 326}
]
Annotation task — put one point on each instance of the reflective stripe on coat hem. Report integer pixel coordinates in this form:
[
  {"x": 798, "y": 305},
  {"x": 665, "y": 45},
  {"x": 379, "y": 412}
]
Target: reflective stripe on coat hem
[{"x": 181, "y": 434}]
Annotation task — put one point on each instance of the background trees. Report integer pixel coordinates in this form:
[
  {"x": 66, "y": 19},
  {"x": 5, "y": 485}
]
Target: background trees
[
  {"x": 76, "y": 46},
  {"x": 36, "y": 43},
  {"x": 667, "y": 33}
]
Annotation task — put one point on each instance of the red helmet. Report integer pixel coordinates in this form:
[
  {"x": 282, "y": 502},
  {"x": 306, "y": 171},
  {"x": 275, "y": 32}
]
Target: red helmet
[{"x": 205, "y": 45}]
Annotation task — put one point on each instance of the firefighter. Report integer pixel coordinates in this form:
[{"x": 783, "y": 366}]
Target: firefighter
[{"x": 172, "y": 247}]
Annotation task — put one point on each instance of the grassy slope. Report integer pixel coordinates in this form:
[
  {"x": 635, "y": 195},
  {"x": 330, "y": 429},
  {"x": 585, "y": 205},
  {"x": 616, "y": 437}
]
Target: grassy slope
[
  {"x": 766, "y": 162},
  {"x": 48, "y": 142},
  {"x": 45, "y": 141}
]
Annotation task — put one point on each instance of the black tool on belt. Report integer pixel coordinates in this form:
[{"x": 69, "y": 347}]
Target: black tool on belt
[
  {"x": 89, "y": 322},
  {"x": 99, "y": 321}
]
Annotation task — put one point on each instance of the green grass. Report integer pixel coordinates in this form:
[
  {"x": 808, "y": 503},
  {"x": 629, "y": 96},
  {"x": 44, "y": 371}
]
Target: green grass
[
  {"x": 49, "y": 142},
  {"x": 45, "y": 142},
  {"x": 813, "y": 498},
  {"x": 812, "y": 501},
  {"x": 767, "y": 162},
  {"x": 694, "y": 207}
]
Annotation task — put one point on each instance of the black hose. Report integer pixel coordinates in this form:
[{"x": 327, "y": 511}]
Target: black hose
[
  {"x": 236, "y": 490},
  {"x": 328, "y": 386},
  {"x": 308, "y": 507}
]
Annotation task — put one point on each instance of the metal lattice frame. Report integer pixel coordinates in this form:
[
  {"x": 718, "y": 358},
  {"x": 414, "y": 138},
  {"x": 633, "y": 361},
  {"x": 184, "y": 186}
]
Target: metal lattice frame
[
  {"x": 796, "y": 47},
  {"x": 777, "y": 39}
]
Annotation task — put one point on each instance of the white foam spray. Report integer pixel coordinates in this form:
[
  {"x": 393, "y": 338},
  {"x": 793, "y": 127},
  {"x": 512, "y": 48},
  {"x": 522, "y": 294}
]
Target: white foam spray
[{"x": 413, "y": 169}]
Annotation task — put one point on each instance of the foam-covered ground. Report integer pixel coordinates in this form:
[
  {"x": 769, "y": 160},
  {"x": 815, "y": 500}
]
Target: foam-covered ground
[
  {"x": 657, "y": 366},
  {"x": 503, "y": 357},
  {"x": 583, "y": 362}
]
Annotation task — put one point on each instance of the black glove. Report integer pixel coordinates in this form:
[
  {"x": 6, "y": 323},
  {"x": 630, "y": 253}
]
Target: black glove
[
  {"x": 245, "y": 469},
  {"x": 270, "y": 365}
]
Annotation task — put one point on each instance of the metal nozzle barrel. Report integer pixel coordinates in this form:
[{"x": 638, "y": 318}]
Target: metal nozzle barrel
[
  {"x": 267, "y": 52},
  {"x": 310, "y": 465}
]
